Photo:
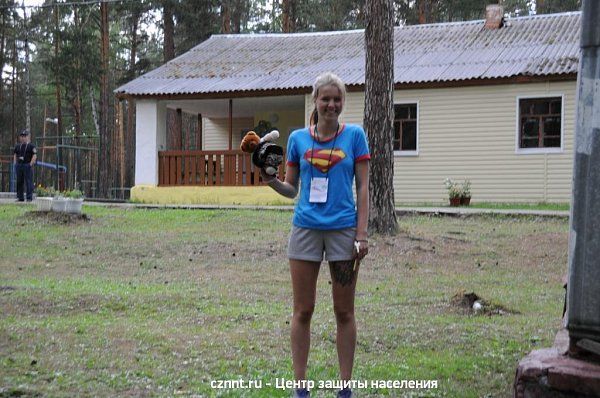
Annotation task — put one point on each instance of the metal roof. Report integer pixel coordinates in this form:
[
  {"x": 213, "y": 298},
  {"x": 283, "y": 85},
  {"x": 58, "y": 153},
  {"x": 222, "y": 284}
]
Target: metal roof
[{"x": 525, "y": 46}]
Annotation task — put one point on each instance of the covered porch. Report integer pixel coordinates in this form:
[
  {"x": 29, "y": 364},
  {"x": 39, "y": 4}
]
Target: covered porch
[{"x": 195, "y": 142}]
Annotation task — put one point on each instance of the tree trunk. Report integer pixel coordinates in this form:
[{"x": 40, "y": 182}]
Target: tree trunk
[
  {"x": 27, "y": 82},
  {"x": 169, "y": 26},
  {"x": 44, "y": 134},
  {"x": 274, "y": 6},
  {"x": 77, "y": 100},
  {"x": 225, "y": 18},
  {"x": 59, "y": 126},
  {"x": 239, "y": 8},
  {"x": 14, "y": 86},
  {"x": 540, "y": 6},
  {"x": 422, "y": 11},
  {"x": 4, "y": 133},
  {"x": 94, "y": 112},
  {"x": 379, "y": 113},
  {"x": 134, "y": 44},
  {"x": 2, "y": 36},
  {"x": 104, "y": 147},
  {"x": 93, "y": 162},
  {"x": 130, "y": 131},
  {"x": 77, "y": 113},
  {"x": 114, "y": 156},
  {"x": 287, "y": 23}
]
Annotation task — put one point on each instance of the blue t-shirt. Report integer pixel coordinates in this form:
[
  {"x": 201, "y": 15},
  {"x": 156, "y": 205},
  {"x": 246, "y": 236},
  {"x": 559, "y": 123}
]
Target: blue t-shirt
[{"x": 313, "y": 158}]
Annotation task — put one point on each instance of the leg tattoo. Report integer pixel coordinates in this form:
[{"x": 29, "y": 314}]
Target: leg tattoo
[{"x": 343, "y": 272}]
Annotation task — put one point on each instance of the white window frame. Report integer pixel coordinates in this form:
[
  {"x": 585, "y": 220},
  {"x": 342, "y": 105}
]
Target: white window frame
[
  {"x": 534, "y": 151},
  {"x": 409, "y": 102}
]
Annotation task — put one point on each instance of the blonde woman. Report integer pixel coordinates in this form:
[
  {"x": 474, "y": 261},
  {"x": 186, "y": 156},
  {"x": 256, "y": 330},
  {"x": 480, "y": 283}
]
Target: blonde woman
[{"x": 323, "y": 161}]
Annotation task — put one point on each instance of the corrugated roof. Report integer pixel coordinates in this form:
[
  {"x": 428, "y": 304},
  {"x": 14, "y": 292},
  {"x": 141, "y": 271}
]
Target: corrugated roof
[{"x": 526, "y": 46}]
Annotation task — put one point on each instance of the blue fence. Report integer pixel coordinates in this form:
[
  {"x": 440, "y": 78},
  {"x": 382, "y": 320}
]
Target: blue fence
[{"x": 13, "y": 173}]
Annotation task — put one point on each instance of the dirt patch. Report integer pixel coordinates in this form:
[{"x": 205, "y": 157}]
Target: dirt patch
[
  {"x": 37, "y": 304},
  {"x": 471, "y": 303},
  {"x": 17, "y": 392},
  {"x": 464, "y": 300},
  {"x": 453, "y": 239},
  {"x": 415, "y": 238},
  {"x": 53, "y": 217}
]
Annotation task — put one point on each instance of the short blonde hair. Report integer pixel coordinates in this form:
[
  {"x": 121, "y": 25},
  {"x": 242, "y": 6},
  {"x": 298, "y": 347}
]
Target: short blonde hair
[{"x": 326, "y": 79}]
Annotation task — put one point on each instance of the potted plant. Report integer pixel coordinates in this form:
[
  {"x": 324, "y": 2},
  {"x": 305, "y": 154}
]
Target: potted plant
[
  {"x": 74, "y": 201},
  {"x": 43, "y": 198},
  {"x": 454, "y": 192},
  {"x": 59, "y": 203},
  {"x": 465, "y": 194}
]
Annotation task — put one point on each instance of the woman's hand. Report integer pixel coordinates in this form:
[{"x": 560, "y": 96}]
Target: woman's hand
[
  {"x": 287, "y": 188},
  {"x": 266, "y": 177}
]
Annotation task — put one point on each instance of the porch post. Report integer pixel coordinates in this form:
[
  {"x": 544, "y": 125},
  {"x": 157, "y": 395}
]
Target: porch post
[
  {"x": 130, "y": 142},
  {"x": 150, "y": 138},
  {"x": 230, "y": 124},
  {"x": 179, "y": 138},
  {"x": 199, "y": 133}
]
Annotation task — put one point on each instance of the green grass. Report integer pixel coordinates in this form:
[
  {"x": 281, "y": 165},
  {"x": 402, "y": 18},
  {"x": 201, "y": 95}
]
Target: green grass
[
  {"x": 161, "y": 302},
  {"x": 498, "y": 206}
]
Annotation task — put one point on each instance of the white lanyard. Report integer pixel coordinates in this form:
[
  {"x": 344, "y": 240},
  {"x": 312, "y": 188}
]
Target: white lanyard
[
  {"x": 319, "y": 185},
  {"x": 330, "y": 153},
  {"x": 23, "y": 153}
]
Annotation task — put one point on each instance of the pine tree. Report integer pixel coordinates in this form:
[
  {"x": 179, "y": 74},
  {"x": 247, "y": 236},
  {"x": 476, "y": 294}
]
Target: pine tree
[
  {"x": 105, "y": 128},
  {"x": 379, "y": 113}
]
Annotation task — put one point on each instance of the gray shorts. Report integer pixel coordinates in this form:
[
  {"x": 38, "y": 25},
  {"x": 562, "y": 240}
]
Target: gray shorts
[{"x": 309, "y": 244}]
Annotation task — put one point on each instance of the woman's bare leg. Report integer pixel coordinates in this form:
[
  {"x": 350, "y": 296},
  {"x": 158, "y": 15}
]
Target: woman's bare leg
[
  {"x": 343, "y": 285},
  {"x": 304, "y": 285}
]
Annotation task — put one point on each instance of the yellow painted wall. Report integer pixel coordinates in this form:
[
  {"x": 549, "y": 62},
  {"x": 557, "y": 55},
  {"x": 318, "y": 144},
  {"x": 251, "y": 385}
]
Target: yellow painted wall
[
  {"x": 286, "y": 121},
  {"x": 215, "y": 133},
  {"x": 471, "y": 133},
  {"x": 245, "y": 196}
]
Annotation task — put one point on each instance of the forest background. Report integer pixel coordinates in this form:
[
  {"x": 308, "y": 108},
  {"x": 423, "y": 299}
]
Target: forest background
[{"x": 62, "y": 59}]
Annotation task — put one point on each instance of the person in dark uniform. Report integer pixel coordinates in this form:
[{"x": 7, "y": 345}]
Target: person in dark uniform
[{"x": 25, "y": 155}]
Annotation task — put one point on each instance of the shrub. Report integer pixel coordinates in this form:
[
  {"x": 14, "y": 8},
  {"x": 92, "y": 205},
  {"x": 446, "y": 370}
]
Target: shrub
[{"x": 41, "y": 191}]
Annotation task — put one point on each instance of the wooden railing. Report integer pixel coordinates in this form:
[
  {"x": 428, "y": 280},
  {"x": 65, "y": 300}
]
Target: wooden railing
[{"x": 223, "y": 168}]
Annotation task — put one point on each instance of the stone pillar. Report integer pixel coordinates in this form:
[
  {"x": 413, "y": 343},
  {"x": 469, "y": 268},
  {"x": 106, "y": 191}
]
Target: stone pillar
[
  {"x": 583, "y": 316},
  {"x": 150, "y": 138},
  {"x": 570, "y": 369}
]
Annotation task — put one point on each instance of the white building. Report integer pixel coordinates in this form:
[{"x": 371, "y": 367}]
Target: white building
[{"x": 495, "y": 106}]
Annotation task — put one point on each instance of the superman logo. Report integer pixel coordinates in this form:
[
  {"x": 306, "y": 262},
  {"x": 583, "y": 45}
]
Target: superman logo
[{"x": 320, "y": 158}]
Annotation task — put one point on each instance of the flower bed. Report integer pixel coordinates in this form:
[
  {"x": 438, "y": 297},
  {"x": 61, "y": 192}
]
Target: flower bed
[{"x": 47, "y": 199}]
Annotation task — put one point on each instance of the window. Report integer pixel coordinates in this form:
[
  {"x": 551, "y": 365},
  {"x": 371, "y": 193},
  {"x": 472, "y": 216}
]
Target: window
[
  {"x": 405, "y": 127},
  {"x": 540, "y": 122}
]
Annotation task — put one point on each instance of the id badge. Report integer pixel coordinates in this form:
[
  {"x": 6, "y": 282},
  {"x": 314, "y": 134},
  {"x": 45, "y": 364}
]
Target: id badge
[{"x": 318, "y": 190}]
